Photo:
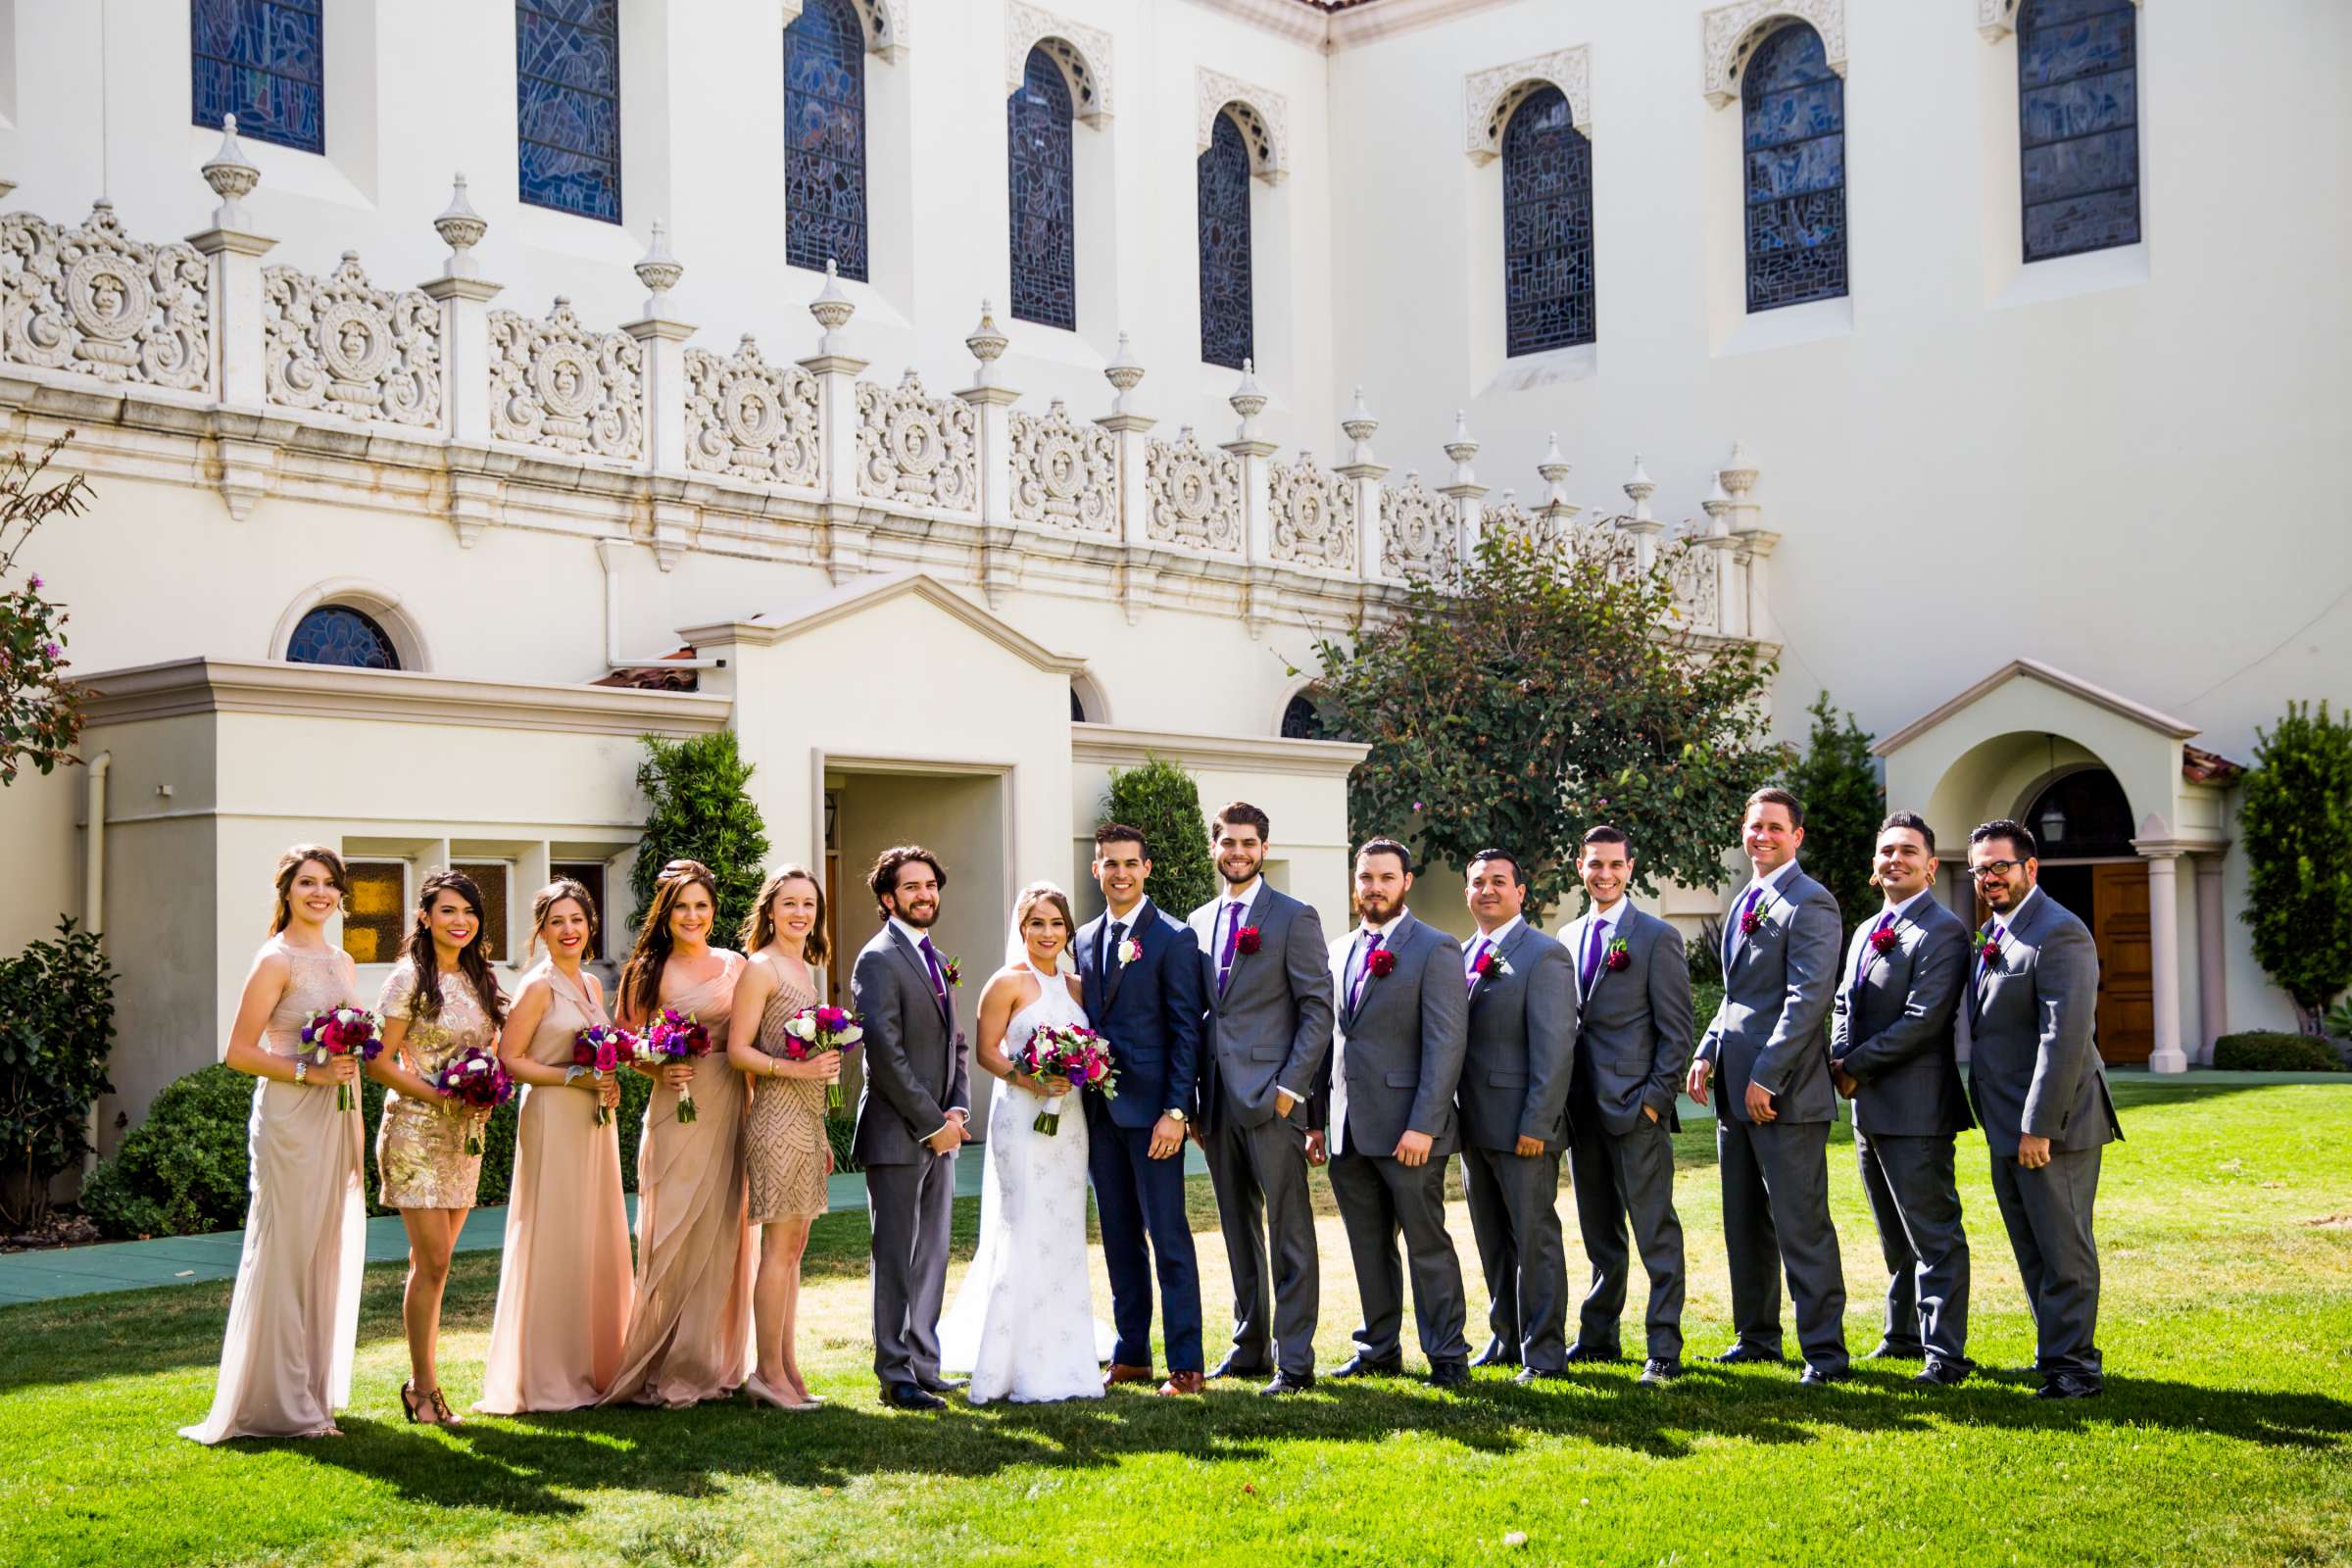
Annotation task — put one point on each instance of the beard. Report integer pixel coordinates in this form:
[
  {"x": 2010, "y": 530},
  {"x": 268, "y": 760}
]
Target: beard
[
  {"x": 1375, "y": 912},
  {"x": 1248, "y": 872},
  {"x": 921, "y": 920}
]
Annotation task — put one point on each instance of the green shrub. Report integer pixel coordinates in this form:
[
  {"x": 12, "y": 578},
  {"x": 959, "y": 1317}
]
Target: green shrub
[
  {"x": 184, "y": 1171},
  {"x": 840, "y": 1130},
  {"x": 57, "y": 1026},
  {"x": 2273, "y": 1050},
  {"x": 696, "y": 809},
  {"x": 1160, "y": 801},
  {"x": 2295, "y": 821},
  {"x": 1838, "y": 779},
  {"x": 1705, "y": 996}
]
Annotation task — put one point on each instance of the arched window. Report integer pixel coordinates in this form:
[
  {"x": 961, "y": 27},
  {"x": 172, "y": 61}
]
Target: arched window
[
  {"x": 2083, "y": 815},
  {"x": 1044, "y": 226},
  {"x": 1225, "y": 326},
  {"x": 568, "y": 105},
  {"x": 2078, "y": 124},
  {"x": 1547, "y": 227},
  {"x": 1077, "y": 707},
  {"x": 259, "y": 60},
  {"x": 337, "y": 635},
  {"x": 824, "y": 139},
  {"x": 1302, "y": 720},
  {"x": 1792, "y": 125}
]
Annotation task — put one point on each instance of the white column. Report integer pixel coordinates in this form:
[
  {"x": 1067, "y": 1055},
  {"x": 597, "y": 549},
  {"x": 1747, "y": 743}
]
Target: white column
[
  {"x": 836, "y": 371},
  {"x": 2213, "y": 985},
  {"x": 2164, "y": 943},
  {"x": 1363, "y": 472},
  {"x": 1133, "y": 432}
]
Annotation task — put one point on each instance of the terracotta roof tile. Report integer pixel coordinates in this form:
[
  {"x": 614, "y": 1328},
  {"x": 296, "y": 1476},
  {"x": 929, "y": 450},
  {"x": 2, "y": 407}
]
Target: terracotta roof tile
[
  {"x": 653, "y": 678},
  {"x": 2202, "y": 767}
]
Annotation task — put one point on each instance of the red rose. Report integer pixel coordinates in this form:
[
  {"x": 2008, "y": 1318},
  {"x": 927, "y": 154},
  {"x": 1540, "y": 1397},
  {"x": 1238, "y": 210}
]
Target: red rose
[
  {"x": 1884, "y": 941},
  {"x": 1750, "y": 924},
  {"x": 1384, "y": 963},
  {"x": 1616, "y": 957},
  {"x": 1244, "y": 940},
  {"x": 1486, "y": 962}
]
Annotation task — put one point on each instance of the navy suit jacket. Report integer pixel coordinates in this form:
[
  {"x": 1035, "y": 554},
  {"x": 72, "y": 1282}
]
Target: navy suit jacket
[{"x": 1149, "y": 1010}]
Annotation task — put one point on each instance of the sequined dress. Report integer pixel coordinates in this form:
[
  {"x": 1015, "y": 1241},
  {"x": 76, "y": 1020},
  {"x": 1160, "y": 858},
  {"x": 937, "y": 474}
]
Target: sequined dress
[
  {"x": 421, "y": 1158},
  {"x": 784, "y": 1137}
]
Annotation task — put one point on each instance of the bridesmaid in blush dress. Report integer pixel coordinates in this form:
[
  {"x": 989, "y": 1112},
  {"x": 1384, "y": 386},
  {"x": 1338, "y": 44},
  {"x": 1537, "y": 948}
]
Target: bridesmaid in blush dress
[
  {"x": 690, "y": 1322},
  {"x": 285, "y": 1363},
  {"x": 563, "y": 1282}
]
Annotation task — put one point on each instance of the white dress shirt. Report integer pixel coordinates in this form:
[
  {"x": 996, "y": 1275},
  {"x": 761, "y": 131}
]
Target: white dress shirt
[{"x": 1489, "y": 942}]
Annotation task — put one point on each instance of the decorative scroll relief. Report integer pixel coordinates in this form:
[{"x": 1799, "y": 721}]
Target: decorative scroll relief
[
  {"x": 95, "y": 302},
  {"x": 1601, "y": 542},
  {"x": 340, "y": 344},
  {"x": 1513, "y": 520},
  {"x": 753, "y": 419},
  {"x": 1263, "y": 115},
  {"x": 1417, "y": 531},
  {"x": 1489, "y": 96},
  {"x": 917, "y": 449},
  {"x": 554, "y": 384},
  {"x": 1082, "y": 52},
  {"x": 1064, "y": 475},
  {"x": 1194, "y": 496},
  {"x": 1729, "y": 35},
  {"x": 1696, "y": 577},
  {"x": 1314, "y": 516}
]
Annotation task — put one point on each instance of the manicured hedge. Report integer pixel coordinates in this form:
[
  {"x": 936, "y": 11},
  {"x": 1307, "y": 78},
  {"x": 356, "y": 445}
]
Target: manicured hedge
[{"x": 2274, "y": 1050}]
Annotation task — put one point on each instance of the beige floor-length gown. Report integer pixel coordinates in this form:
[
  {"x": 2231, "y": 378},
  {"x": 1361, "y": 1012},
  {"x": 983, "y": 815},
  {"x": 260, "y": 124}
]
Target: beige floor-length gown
[
  {"x": 294, "y": 1316},
  {"x": 564, "y": 1283},
  {"x": 690, "y": 1325}
]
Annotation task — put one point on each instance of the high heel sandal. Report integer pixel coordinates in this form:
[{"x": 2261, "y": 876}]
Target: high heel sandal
[
  {"x": 441, "y": 1410},
  {"x": 409, "y": 1402}
]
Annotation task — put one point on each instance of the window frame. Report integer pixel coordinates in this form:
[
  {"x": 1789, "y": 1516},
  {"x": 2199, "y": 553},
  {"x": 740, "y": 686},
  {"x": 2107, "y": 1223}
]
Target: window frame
[
  {"x": 1750, "y": 94},
  {"x": 1546, "y": 98},
  {"x": 1230, "y": 143},
  {"x": 249, "y": 125},
  {"x": 1056, "y": 118},
  {"x": 522, "y": 193},
  {"x": 803, "y": 249},
  {"x": 2024, "y": 28},
  {"x": 407, "y": 893}
]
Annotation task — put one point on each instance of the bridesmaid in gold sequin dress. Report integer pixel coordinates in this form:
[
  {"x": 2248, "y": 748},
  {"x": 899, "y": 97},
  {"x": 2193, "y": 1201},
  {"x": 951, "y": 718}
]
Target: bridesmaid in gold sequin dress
[
  {"x": 285, "y": 1361},
  {"x": 440, "y": 1001},
  {"x": 564, "y": 1283},
  {"x": 784, "y": 1141},
  {"x": 690, "y": 1321}
]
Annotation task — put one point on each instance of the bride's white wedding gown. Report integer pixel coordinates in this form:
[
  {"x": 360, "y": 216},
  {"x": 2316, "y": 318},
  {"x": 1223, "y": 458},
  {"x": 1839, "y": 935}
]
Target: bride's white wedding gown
[{"x": 1023, "y": 1322}]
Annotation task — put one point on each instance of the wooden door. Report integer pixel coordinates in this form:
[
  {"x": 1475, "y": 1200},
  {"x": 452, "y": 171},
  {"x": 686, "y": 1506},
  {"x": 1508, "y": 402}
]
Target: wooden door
[
  {"x": 838, "y": 963},
  {"x": 2127, "y": 1016}
]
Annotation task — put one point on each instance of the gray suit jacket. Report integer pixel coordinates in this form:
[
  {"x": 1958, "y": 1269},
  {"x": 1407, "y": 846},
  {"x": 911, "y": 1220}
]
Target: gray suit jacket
[
  {"x": 1520, "y": 1046},
  {"x": 1273, "y": 1024},
  {"x": 1634, "y": 1031},
  {"x": 1401, "y": 1044},
  {"x": 1774, "y": 1024},
  {"x": 916, "y": 1068},
  {"x": 2034, "y": 1064},
  {"x": 1893, "y": 1029}
]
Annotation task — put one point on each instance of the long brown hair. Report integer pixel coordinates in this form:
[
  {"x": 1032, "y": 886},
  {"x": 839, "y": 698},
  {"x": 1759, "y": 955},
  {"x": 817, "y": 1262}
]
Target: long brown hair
[
  {"x": 1034, "y": 894},
  {"x": 759, "y": 926},
  {"x": 547, "y": 897},
  {"x": 641, "y": 976},
  {"x": 425, "y": 1000},
  {"x": 289, "y": 867}
]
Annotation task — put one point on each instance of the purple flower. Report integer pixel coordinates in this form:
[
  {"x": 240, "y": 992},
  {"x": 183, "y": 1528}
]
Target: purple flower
[
  {"x": 1416, "y": 806},
  {"x": 36, "y": 581},
  {"x": 53, "y": 651}
]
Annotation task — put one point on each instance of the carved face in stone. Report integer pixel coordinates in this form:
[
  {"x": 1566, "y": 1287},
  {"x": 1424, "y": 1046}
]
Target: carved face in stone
[
  {"x": 354, "y": 340},
  {"x": 106, "y": 294},
  {"x": 567, "y": 381}
]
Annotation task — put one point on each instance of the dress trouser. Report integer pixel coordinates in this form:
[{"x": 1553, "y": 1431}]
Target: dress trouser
[
  {"x": 1916, "y": 1202},
  {"x": 1379, "y": 1199},
  {"x": 1776, "y": 1215},
  {"x": 910, "y": 1208},
  {"x": 1137, "y": 1198},
  {"x": 1619, "y": 1179},
  {"x": 1259, "y": 1174},
  {"x": 1514, "y": 1214},
  {"x": 2048, "y": 1213}
]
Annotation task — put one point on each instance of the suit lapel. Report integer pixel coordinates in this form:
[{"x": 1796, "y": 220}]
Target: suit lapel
[
  {"x": 1600, "y": 969},
  {"x": 1497, "y": 956},
  {"x": 1114, "y": 971},
  {"x": 1388, "y": 944},
  {"x": 922, "y": 972},
  {"x": 1213, "y": 943}
]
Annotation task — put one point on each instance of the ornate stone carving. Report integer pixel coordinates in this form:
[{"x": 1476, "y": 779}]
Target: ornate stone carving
[
  {"x": 1730, "y": 34},
  {"x": 1082, "y": 52},
  {"x": 95, "y": 302},
  {"x": 1263, "y": 114},
  {"x": 915, "y": 448},
  {"x": 340, "y": 344},
  {"x": 751, "y": 419},
  {"x": 1314, "y": 515},
  {"x": 1995, "y": 19},
  {"x": 1694, "y": 573},
  {"x": 1489, "y": 96},
  {"x": 1194, "y": 495},
  {"x": 1508, "y": 518},
  {"x": 554, "y": 384},
  {"x": 1064, "y": 475},
  {"x": 1418, "y": 531},
  {"x": 1600, "y": 541}
]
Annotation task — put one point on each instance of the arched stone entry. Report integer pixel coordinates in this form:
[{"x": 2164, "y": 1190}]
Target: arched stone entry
[{"x": 2084, "y": 823}]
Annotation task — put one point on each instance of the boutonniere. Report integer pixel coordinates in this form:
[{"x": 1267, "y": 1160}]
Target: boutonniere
[
  {"x": 1130, "y": 951},
  {"x": 1383, "y": 964},
  {"x": 953, "y": 969},
  {"x": 1616, "y": 956},
  {"x": 1752, "y": 923},
  {"x": 1246, "y": 940},
  {"x": 1886, "y": 941},
  {"x": 1988, "y": 947},
  {"x": 1491, "y": 962}
]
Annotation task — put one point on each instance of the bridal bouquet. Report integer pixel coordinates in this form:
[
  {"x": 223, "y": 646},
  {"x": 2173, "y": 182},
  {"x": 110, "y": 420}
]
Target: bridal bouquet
[
  {"x": 1067, "y": 1051},
  {"x": 675, "y": 1037},
  {"x": 602, "y": 1048},
  {"x": 477, "y": 1078},
  {"x": 814, "y": 1031},
  {"x": 343, "y": 1032}
]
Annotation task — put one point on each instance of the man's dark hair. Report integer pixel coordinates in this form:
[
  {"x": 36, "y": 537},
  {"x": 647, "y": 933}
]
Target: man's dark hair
[
  {"x": 884, "y": 877},
  {"x": 1915, "y": 822},
  {"x": 1506, "y": 857},
  {"x": 1241, "y": 812},
  {"x": 1606, "y": 834},
  {"x": 1121, "y": 833},
  {"x": 1773, "y": 794},
  {"x": 1404, "y": 856},
  {"x": 2020, "y": 836}
]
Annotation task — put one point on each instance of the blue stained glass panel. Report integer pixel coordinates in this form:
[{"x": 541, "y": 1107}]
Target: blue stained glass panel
[
  {"x": 1792, "y": 124},
  {"x": 824, "y": 139},
  {"x": 260, "y": 61},
  {"x": 2078, "y": 109},
  {"x": 1547, "y": 227},
  {"x": 1224, "y": 213},
  {"x": 337, "y": 635},
  {"x": 1044, "y": 226},
  {"x": 568, "y": 106}
]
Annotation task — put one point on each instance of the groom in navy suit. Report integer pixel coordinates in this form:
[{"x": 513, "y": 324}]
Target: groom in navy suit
[{"x": 1141, "y": 973}]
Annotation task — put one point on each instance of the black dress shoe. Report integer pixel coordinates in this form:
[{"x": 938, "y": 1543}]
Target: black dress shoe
[
  {"x": 1361, "y": 1365},
  {"x": 938, "y": 1385},
  {"x": 1448, "y": 1375},
  {"x": 2070, "y": 1386},
  {"x": 1942, "y": 1374},
  {"x": 1495, "y": 1355},
  {"x": 1657, "y": 1374},
  {"x": 1741, "y": 1354},
  {"x": 1288, "y": 1383},
  {"x": 912, "y": 1396},
  {"x": 1887, "y": 1351},
  {"x": 1815, "y": 1376},
  {"x": 1233, "y": 1366},
  {"x": 1592, "y": 1354}
]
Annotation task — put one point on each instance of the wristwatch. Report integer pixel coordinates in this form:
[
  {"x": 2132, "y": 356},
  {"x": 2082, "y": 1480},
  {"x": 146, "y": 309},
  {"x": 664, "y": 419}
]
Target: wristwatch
[
  {"x": 1177, "y": 1115},
  {"x": 302, "y": 1068}
]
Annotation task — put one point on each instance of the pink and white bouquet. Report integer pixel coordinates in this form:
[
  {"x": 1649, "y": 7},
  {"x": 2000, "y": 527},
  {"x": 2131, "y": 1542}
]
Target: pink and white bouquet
[
  {"x": 602, "y": 1049},
  {"x": 344, "y": 1031},
  {"x": 477, "y": 1078},
  {"x": 675, "y": 1037},
  {"x": 812, "y": 1031},
  {"x": 1067, "y": 1051}
]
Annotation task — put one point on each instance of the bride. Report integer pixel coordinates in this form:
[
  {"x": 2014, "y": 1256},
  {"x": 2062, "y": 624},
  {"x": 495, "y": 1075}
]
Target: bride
[{"x": 1023, "y": 1322}]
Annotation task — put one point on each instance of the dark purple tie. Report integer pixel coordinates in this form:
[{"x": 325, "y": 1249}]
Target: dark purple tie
[
  {"x": 1357, "y": 990},
  {"x": 1731, "y": 938},
  {"x": 1870, "y": 947},
  {"x": 1232, "y": 937},
  {"x": 939, "y": 979},
  {"x": 1592, "y": 952}
]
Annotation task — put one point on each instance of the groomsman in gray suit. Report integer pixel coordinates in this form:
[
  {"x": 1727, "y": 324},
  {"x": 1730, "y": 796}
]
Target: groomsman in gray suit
[
  {"x": 1514, "y": 1105},
  {"x": 2042, "y": 1092},
  {"x": 1632, "y": 1046},
  {"x": 1267, "y": 975},
  {"x": 1771, "y": 1131},
  {"x": 1396, "y": 1060},
  {"x": 1891, "y": 1051}
]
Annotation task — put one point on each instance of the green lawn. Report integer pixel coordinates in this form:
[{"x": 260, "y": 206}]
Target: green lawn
[{"x": 2226, "y": 1225}]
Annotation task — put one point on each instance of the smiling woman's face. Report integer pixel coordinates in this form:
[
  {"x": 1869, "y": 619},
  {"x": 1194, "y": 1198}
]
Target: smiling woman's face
[
  {"x": 690, "y": 916},
  {"x": 452, "y": 919}
]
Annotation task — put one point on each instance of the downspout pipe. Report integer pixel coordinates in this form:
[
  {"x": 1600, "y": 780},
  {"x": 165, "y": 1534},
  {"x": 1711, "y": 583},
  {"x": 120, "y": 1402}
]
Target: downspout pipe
[
  {"x": 607, "y": 555},
  {"x": 94, "y": 899}
]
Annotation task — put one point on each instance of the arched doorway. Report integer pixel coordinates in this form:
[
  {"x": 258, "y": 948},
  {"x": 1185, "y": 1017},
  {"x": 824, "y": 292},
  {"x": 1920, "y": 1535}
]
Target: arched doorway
[{"x": 2088, "y": 865}]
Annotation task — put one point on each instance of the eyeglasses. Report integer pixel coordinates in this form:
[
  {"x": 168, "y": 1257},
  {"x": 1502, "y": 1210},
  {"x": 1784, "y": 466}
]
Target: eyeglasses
[{"x": 1994, "y": 870}]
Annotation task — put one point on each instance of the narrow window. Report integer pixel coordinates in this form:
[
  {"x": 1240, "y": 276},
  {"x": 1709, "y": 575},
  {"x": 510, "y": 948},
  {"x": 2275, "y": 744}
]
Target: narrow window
[
  {"x": 824, "y": 139},
  {"x": 2078, "y": 124},
  {"x": 568, "y": 105},
  {"x": 1224, "y": 170},
  {"x": 1045, "y": 228},
  {"x": 259, "y": 60},
  {"x": 1792, "y": 120},
  {"x": 1547, "y": 227}
]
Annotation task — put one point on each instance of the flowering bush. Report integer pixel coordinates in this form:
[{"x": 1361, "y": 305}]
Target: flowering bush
[{"x": 40, "y": 711}]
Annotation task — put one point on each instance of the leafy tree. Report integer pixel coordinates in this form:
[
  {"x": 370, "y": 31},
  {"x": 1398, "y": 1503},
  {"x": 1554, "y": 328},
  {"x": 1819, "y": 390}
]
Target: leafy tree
[
  {"x": 1845, "y": 803},
  {"x": 40, "y": 711},
  {"x": 1525, "y": 695},
  {"x": 696, "y": 809},
  {"x": 2295, "y": 820},
  {"x": 57, "y": 1028},
  {"x": 1161, "y": 800}
]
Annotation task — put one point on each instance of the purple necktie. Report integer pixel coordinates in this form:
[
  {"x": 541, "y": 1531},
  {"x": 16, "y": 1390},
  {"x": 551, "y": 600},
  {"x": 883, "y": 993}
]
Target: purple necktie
[
  {"x": 939, "y": 979},
  {"x": 1232, "y": 937},
  {"x": 1365, "y": 973},
  {"x": 1731, "y": 940},
  {"x": 1869, "y": 948},
  {"x": 1592, "y": 952},
  {"x": 1471, "y": 973}
]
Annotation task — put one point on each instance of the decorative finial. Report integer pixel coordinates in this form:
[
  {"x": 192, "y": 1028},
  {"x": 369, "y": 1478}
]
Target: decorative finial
[
  {"x": 832, "y": 310},
  {"x": 1123, "y": 372},
  {"x": 231, "y": 176},
  {"x": 460, "y": 228},
  {"x": 1639, "y": 489},
  {"x": 659, "y": 270}
]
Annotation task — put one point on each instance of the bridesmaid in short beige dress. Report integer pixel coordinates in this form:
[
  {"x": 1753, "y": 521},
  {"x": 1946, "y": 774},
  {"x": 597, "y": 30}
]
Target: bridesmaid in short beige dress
[{"x": 285, "y": 1362}]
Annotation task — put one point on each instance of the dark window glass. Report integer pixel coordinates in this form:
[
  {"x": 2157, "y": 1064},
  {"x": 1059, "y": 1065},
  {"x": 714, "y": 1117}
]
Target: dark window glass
[
  {"x": 568, "y": 105},
  {"x": 375, "y": 920},
  {"x": 1793, "y": 125},
  {"x": 1547, "y": 227},
  {"x": 1077, "y": 708},
  {"x": 2082, "y": 814},
  {"x": 1045, "y": 228},
  {"x": 259, "y": 60},
  {"x": 2078, "y": 124},
  {"x": 590, "y": 874},
  {"x": 337, "y": 635},
  {"x": 491, "y": 876},
  {"x": 1225, "y": 325},
  {"x": 824, "y": 139},
  {"x": 1301, "y": 721}
]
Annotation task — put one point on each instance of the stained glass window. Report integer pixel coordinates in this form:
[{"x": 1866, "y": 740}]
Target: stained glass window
[
  {"x": 568, "y": 105},
  {"x": 1301, "y": 720},
  {"x": 1793, "y": 125},
  {"x": 824, "y": 139},
  {"x": 1045, "y": 253},
  {"x": 259, "y": 60},
  {"x": 1225, "y": 325},
  {"x": 1547, "y": 227},
  {"x": 337, "y": 635},
  {"x": 2078, "y": 122}
]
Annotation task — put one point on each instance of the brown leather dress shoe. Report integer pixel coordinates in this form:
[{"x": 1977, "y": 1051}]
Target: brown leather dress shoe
[
  {"x": 1117, "y": 1374},
  {"x": 1182, "y": 1382}
]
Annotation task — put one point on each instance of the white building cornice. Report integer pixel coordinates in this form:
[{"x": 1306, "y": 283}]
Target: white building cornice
[{"x": 1112, "y": 745}]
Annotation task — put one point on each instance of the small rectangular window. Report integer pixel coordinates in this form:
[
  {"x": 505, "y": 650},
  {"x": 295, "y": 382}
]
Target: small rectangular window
[
  {"x": 377, "y": 917},
  {"x": 492, "y": 877},
  {"x": 260, "y": 61},
  {"x": 590, "y": 874}
]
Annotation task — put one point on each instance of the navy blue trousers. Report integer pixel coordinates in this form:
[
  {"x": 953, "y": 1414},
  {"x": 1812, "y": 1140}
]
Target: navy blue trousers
[{"x": 1140, "y": 1202}]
